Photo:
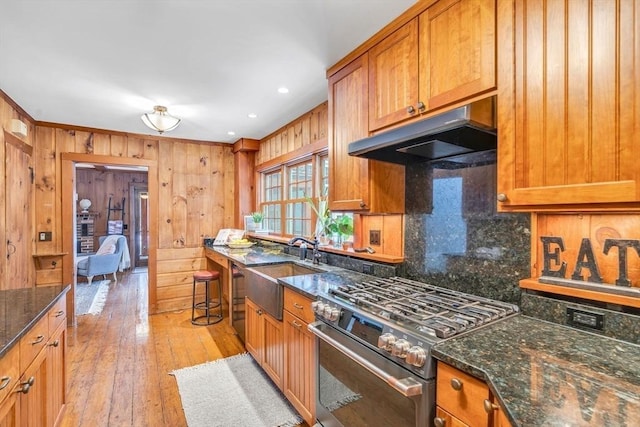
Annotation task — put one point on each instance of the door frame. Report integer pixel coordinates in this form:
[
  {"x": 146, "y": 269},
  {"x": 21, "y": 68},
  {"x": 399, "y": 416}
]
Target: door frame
[
  {"x": 68, "y": 161},
  {"x": 133, "y": 188}
]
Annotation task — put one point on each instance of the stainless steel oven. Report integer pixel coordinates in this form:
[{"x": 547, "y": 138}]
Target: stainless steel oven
[
  {"x": 358, "y": 387},
  {"x": 374, "y": 340}
]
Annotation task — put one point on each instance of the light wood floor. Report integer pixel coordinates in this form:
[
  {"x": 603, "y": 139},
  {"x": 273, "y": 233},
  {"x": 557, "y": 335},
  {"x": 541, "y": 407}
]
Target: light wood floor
[{"x": 119, "y": 361}]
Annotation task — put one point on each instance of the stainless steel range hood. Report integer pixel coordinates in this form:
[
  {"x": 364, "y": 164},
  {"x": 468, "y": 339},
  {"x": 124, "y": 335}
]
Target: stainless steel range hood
[{"x": 460, "y": 131}]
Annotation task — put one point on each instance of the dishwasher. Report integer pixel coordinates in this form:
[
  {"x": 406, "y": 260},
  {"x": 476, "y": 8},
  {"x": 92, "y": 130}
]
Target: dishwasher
[{"x": 239, "y": 291}]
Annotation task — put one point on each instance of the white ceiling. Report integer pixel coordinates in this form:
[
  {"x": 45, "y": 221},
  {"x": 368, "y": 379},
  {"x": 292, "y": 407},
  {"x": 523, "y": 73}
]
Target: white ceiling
[{"x": 102, "y": 63}]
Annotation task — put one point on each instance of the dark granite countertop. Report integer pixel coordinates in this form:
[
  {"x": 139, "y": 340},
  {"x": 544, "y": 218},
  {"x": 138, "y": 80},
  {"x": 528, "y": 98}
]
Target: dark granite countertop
[
  {"x": 545, "y": 374},
  {"x": 20, "y": 309},
  {"x": 542, "y": 373}
]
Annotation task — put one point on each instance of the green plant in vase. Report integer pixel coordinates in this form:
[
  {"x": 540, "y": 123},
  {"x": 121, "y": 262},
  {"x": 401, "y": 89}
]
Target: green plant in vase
[
  {"x": 257, "y": 219},
  {"x": 344, "y": 226}
]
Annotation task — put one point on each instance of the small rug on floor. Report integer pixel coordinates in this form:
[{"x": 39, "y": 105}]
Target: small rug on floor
[
  {"x": 233, "y": 391},
  {"x": 90, "y": 299}
]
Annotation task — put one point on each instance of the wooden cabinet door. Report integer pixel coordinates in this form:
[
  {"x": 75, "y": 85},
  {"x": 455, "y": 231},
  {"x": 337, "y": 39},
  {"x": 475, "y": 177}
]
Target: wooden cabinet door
[
  {"x": 19, "y": 241},
  {"x": 10, "y": 410},
  {"x": 299, "y": 371},
  {"x": 253, "y": 330},
  {"x": 457, "y": 51},
  {"x": 57, "y": 375},
  {"x": 568, "y": 83},
  {"x": 348, "y": 122},
  {"x": 357, "y": 184},
  {"x": 273, "y": 354},
  {"x": 33, "y": 404},
  {"x": 393, "y": 77}
]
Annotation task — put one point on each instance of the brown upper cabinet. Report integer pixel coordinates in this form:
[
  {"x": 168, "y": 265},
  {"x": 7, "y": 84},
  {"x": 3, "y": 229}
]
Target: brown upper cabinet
[
  {"x": 568, "y": 117},
  {"x": 444, "y": 55},
  {"x": 357, "y": 184}
]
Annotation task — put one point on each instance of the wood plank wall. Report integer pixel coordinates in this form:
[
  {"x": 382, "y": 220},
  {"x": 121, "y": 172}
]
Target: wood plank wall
[
  {"x": 19, "y": 262},
  {"x": 309, "y": 128},
  {"x": 194, "y": 200}
]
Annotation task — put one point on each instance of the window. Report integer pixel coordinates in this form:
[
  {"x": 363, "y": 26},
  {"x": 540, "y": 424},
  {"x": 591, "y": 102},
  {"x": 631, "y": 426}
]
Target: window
[{"x": 284, "y": 201}]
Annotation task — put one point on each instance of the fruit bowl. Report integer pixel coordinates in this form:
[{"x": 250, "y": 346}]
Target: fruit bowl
[{"x": 240, "y": 245}]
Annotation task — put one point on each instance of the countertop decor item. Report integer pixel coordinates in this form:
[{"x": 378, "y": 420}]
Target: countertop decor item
[{"x": 160, "y": 120}]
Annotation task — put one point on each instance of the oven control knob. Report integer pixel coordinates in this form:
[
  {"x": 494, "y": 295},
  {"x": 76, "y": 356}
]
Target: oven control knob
[
  {"x": 334, "y": 314},
  {"x": 416, "y": 356},
  {"x": 326, "y": 313},
  {"x": 386, "y": 341},
  {"x": 400, "y": 348},
  {"x": 317, "y": 307}
]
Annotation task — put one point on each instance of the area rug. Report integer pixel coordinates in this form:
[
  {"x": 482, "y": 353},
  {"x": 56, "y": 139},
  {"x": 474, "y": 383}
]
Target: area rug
[
  {"x": 232, "y": 392},
  {"x": 90, "y": 299}
]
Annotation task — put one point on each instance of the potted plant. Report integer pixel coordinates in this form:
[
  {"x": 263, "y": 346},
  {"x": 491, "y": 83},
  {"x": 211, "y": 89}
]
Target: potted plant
[
  {"x": 257, "y": 217},
  {"x": 325, "y": 225},
  {"x": 344, "y": 226}
]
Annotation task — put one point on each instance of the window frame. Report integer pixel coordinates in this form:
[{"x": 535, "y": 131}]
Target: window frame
[{"x": 316, "y": 159}]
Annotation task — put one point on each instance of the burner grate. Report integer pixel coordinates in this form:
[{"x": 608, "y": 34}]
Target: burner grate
[{"x": 426, "y": 308}]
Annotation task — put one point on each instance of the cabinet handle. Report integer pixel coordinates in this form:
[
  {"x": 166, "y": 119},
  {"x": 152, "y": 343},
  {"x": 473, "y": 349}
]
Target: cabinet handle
[
  {"x": 55, "y": 343},
  {"x": 421, "y": 106},
  {"x": 489, "y": 406},
  {"x": 26, "y": 385},
  {"x": 456, "y": 384},
  {"x": 259, "y": 312},
  {"x": 439, "y": 422},
  {"x": 59, "y": 313},
  {"x": 296, "y": 324},
  {"x": 5, "y": 382},
  {"x": 411, "y": 110},
  {"x": 298, "y": 306},
  {"x": 502, "y": 197},
  {"x": 38, "y": 340}
]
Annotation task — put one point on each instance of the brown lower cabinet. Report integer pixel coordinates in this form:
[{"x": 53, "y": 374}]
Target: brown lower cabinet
[
  {"x": 463, "y": 400},
  {"x": 264, "y": 340},
  {"x": 38, "y": 395},
  {"x": 299, "y": 355}
]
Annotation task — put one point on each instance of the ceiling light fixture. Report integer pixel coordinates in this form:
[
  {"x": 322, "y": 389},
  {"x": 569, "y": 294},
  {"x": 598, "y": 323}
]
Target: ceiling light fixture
[
  {"x": 252, "y": 115},
  {"x": 160, "y": 120},
  {"x": 283, "y": 90}
]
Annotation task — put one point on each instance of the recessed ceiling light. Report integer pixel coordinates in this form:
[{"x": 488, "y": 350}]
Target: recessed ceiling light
[
  {"x": 252, "y": 115},
  {"x": 283, "y": 90},
  {"x": 231, "y": 133}
]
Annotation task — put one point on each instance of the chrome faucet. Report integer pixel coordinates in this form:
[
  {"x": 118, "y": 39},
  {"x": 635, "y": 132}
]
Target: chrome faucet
[{"x": 316, "y": 254}]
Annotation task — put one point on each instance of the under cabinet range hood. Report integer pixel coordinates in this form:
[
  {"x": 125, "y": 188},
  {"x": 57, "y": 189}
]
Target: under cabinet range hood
[{"x": 460, "y": 131}]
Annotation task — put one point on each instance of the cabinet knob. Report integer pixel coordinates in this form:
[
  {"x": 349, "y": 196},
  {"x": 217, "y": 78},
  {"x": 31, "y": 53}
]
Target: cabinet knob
[
  {"x": 456, "y": 384},
  {"x": 439, "y": 422},
  {"x": 56, "y": 343},
  {"x": 502, "y": 197},
  {"x": 25, "y": 386},
  {"x": 489, "y": 406},
  {"x": 421, "y": 106},
  {"x": 411, "y": 110},
  {"x": 363, "y": 204}
]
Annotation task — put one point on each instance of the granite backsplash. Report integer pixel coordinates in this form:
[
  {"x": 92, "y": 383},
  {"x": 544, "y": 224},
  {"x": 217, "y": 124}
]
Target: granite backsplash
[{"x": 455, "y": 238}]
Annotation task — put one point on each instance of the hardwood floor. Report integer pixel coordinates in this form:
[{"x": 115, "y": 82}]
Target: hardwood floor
[{"x": 119, "y": 361}]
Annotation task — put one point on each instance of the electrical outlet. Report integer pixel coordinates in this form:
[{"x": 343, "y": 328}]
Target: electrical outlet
[
  {"x": 585, "y": 319},
  {"x": 374, "y": 237},
  {"x": 367, "y": 268},
  {"x": 44, "y": 236}
]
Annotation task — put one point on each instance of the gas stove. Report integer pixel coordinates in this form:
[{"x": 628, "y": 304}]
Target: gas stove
[{"x": 402, "y": 319}]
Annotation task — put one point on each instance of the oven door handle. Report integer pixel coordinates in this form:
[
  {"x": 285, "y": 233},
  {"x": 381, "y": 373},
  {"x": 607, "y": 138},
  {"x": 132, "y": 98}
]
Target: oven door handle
[{"x": 408, "y": 387}]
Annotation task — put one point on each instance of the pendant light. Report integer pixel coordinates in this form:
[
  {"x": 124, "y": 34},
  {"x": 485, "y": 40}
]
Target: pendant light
[{"x": 160, "y": 120}]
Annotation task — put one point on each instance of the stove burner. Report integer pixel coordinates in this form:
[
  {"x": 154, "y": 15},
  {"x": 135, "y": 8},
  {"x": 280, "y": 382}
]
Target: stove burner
[{"x": 424, "y": 308}]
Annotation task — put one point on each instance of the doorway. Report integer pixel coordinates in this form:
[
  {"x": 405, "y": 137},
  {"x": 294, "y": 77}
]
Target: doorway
[{"x": 68, "y": 215}]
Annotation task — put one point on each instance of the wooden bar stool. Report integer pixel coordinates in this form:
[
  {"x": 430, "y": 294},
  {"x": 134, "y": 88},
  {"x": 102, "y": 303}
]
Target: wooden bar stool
[{"x": 209, "y": 303}]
